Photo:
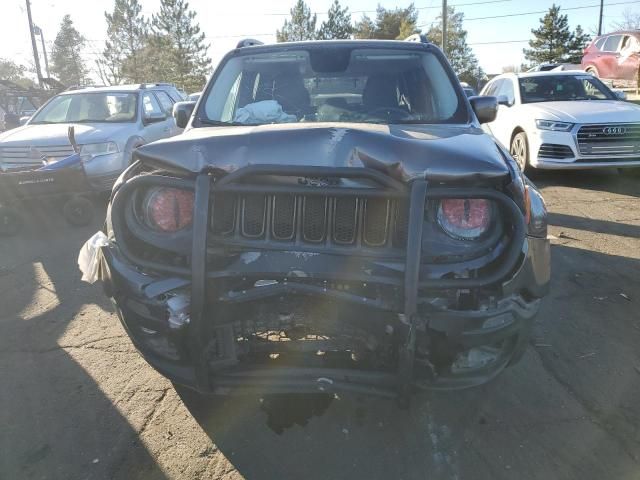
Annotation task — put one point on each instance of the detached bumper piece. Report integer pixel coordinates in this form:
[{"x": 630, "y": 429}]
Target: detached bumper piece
[{"x": 288, "y": 319}]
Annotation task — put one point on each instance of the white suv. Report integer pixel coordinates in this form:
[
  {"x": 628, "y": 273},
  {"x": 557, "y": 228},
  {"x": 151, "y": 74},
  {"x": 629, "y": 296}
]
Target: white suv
[
  {"x": 109, "y": 122},
  {"x": 564, "y": 120}
]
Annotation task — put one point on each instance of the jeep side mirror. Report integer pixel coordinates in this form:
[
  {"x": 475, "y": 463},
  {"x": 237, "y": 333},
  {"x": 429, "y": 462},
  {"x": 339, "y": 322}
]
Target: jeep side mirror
[
  {"x": 154, "y": 117},
  {"x": 182, "y": 113},
  {"x": 485, "y": 108}
]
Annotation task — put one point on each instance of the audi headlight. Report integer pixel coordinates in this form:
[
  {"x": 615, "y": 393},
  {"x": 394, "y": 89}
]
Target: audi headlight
[
  {"x": 92, "y": 150},
  {"x": 554, "y": 126}
]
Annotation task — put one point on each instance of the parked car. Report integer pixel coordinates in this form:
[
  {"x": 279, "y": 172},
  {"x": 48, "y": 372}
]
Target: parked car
[
  {"x": 110, "y": 122},
  {"x": 468, "y": 90},
  {"x": 564, "y": 120},
  {"x": 377, "y": 241},
  {"x": 615, "y": 56},
  {"x": 193, "y": 97}
]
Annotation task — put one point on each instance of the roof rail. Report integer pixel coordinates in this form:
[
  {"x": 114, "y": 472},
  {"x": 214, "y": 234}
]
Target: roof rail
[
  {"x": 248, "y": 42},
  {"x": 156, "y": 84},
  {"x": 80, "y": 87},
  {"x": 417, "y": 37}
]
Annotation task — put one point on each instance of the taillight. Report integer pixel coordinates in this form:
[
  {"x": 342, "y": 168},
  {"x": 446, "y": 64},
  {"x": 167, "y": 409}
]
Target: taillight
[
  {"x": 465, "y": 218},
  {"x": 168, "y": 209}
]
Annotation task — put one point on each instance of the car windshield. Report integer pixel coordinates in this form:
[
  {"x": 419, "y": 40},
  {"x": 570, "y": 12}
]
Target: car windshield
[
  {"x": 560, "y": 88},
  {"x": 333, "y": 84},
  {"x": 111, "y": 107}
]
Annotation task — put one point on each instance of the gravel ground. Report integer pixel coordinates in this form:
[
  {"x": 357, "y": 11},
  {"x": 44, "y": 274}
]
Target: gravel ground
[{"x": 78, "y": 402}]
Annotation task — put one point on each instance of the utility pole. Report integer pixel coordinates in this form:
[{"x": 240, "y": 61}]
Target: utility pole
[
  {"x": 600, "y": 21},
  {"x": 444, "y": 26},
  {"x": 38, "y": 31},
  {"x": 33, "y": 44}
]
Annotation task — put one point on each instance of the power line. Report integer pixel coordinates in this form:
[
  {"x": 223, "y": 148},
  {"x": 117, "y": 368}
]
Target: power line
[{"x": 543, "y": 11}]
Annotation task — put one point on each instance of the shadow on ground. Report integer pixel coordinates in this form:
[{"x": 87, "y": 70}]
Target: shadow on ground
[{"x": 56, "y": 420}]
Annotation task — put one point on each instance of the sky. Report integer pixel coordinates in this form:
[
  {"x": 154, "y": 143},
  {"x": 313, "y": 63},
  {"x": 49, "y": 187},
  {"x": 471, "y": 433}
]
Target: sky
[{"x": 497, "y": 41}]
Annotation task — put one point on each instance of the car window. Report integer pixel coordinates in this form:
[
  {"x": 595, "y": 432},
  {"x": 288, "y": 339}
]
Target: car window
[
  {"x": 493, "y": 87},
  {"x": 151, "y": 106},
  {"x": 629, "y": 45},
  {"x": 165, "y": 101},
  {"x": 173, "y": 94},
  {"x": 506, "y": 89},
  {"x": 600, "y": 42},
  {"x": 612, "y": 43},
  {"x": 94, "y": 107},
  {"x": 560, "y": 88},
  {"x": 366, "y": 85}
]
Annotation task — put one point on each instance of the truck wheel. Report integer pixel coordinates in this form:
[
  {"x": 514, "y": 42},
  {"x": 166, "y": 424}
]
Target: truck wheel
[
  {"x": 520, "y": 150},
  {"x": 10, "y": 221},
  {"x": 78, "y": 211}
]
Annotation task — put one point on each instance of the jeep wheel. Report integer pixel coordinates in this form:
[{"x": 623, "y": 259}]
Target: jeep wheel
[
  {"x": 10, "y": 221},
  {"x": 520, "y": 150},
  {"x": 78, "y": 211}
]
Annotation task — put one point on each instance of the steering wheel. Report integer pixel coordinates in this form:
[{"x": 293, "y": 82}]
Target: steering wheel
[{"x": 393, "y": 113}]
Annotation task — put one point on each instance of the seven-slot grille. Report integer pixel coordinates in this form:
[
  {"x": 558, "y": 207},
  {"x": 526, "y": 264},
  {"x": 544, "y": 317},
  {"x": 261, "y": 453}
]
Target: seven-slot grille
[
  {"x": 20, "y": 157},
  {"x": 609, "y": 139},
  {"x": 310, "y": 220}
]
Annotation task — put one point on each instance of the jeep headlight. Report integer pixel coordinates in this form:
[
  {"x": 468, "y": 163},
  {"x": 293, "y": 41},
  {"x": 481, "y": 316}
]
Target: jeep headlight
[
  {"x": 553, "y": 125},
  {"x": 92, "y": 150}
]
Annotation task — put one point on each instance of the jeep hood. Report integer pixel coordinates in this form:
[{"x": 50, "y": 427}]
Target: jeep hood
[{"x": 404, "y": 152}]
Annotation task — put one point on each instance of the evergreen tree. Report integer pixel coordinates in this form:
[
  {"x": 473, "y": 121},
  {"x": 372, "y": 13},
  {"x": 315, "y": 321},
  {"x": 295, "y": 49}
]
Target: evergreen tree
[
  {"x": 66, "y": 59},
  {"x": 127, "y": 32},
  {"x": 554, "y": 41},
  {"x": 576, "y": 49},
  {"x": 338, "y": 24},
  {"x": 460, "y": 55},
  {"x": 177, "y": 46},
  {"x": 302, "y": 25},
  {"x": 395, "y": 24}
]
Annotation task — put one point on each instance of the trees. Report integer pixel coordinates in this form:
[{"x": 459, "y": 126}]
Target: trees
[
  {"x": 9, "y": 70},
  {"x": 66, "y": 58},
  {"x": 301, "y": 26},
  {"x": 127, "y": 32},
  {"x": 338, "y": 24},
  {"x": 177, "y": 46},
  {"x": 554, "y": 42},
  {"x": 395, "y": 24},
  {"x": 630, "y": 21},
  {"x": 460, "y": 55}
]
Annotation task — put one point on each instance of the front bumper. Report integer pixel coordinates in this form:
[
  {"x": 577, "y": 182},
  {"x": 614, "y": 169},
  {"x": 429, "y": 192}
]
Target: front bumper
[
  {"x": 405, "y": 319},
  {"x": 573, "y": 160}
]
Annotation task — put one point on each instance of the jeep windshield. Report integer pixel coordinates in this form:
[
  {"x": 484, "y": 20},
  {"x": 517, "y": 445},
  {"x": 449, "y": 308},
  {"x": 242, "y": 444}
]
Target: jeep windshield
[
  {"x": 94, "y": 107},
  {"x": 333, "y": 84},
  {"x": 562, "y": 88}
]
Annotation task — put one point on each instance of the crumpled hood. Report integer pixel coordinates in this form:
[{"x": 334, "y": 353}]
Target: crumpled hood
[
  {"x": 587, "y": 111},
  {"x": 404, "y": 152},
  {"x": 40, "y": 135}
]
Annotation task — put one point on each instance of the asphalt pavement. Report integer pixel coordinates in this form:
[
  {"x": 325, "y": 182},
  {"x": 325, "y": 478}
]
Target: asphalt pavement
[{"x": 78, "y": 402}]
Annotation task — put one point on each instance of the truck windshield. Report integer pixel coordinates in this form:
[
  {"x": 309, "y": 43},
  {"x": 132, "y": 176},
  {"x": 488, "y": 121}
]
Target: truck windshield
[
  {"x": 333, "y": 84},
  {"x": 111, "y": 107},
  {"x": 559, "y": 88}
]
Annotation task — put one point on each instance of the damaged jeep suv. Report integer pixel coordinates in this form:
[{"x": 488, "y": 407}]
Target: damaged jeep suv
[{"x": 332, "y": 218}]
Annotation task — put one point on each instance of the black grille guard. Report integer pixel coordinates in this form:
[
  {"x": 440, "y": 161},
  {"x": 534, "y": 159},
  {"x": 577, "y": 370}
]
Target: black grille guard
[{"x": 417, "y": 192}]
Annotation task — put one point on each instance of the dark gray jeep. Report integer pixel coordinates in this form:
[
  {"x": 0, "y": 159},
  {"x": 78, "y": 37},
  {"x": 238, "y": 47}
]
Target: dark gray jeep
[{"x": 332, "y": 218}]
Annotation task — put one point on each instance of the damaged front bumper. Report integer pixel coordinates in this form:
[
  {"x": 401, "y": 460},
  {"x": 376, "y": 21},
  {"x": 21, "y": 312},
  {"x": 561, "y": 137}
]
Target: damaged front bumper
[{"x": 415, "y": 330}]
